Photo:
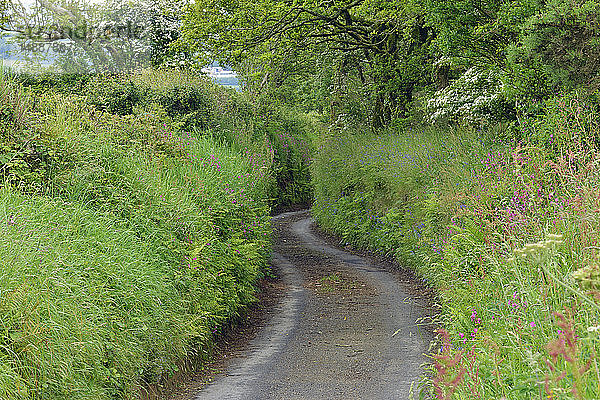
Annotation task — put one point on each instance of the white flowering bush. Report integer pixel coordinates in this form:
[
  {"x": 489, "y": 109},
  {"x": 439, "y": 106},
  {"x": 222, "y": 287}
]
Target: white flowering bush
[{"x": 476, "y": 97}]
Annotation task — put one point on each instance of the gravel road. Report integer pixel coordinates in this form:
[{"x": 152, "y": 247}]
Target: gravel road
[{"x": 345, "y": 328}]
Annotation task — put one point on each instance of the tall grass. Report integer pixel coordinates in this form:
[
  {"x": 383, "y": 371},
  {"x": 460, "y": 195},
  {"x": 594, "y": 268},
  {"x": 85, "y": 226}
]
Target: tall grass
[
  {"x": 14, "y": 104},
  {"x": 506, "y": 232},
  {"x": 87, "y": 308},
  {"x": 125, "y": 244}
]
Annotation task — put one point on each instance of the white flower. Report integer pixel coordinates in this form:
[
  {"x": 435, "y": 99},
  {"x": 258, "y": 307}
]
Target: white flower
[{"x": 593, "y": 328}]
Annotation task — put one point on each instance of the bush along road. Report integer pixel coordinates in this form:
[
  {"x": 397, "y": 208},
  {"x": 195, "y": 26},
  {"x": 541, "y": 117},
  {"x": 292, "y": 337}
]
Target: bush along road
[
  {"x": 346, "y": 327},
  {"x": 131, "y": 230}
]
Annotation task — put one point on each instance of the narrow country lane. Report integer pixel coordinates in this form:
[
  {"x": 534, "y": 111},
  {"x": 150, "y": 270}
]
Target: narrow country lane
[{"x": 345, "y": 329}]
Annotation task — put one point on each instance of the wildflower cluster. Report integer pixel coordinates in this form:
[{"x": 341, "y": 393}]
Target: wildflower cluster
[
  {"x": 538, "y": 249},
  {"x": 475, "y": 97},
  {"x": 452, "y": 206}
]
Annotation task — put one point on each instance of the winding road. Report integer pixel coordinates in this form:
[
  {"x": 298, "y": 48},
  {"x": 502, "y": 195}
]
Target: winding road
[{"x": 346, "y": 328}]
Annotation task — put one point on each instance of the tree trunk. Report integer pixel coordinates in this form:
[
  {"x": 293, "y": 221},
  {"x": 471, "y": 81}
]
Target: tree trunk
[
  {"x": 442, "y": 73},
  {"x": 379, "y": 111}
]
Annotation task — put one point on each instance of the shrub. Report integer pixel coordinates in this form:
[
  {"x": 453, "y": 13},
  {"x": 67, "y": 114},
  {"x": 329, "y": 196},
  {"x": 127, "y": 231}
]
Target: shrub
[
  {"x": 188, "y": 100},
  {"x": 476, "y": 97},
  {"x": 151, "y": 238},
  {"x": 113, "y": 93},
  {"x": 24, "y": 161},
  {"x": 568, "y": 121},
  {"x": 67, "y": 83}
]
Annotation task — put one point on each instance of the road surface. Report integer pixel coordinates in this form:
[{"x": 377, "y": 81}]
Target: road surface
[{"x": 346, "y": 328}]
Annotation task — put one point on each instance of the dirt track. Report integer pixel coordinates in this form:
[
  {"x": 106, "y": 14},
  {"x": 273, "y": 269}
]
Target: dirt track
[{"x": 344, "y": 328}]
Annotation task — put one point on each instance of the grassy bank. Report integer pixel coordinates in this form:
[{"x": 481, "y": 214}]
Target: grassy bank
[
  {"x": 505, "y": 230},
  {"x": 132, "y": 227}
]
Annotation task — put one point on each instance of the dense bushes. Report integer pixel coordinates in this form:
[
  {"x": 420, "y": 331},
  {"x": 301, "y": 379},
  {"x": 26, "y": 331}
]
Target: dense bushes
[
  {"x": 67, "y": 83},
  {"x": 290, "y": 136},
  {"x": 191, "y": 103},
  {"x": 125, "y": 241},
  {"x": 505, "y": 231},
  {"x": 115, "y": 94},
  {"x": 536, "y": 49}
]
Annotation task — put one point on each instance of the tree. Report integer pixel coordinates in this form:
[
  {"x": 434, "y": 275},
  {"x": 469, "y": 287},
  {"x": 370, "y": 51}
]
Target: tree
[
  {"x": 3, "y": 12},
  {"x": 384, "y": 40},
  {"x": 111, "y": 37},
  {"x": 561, "y": 42},
  {"x": 537, "y": 47}
]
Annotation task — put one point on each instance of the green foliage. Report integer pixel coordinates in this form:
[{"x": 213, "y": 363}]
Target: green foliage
[
  {"x": 113, "y": 93},
  {"x": 501, "y": 230},
  {"x": 556, "y": 51},
  {"x": 471, "y": 33},
  {"x": 289, "y": 139},
  {"x": 26, "y": 166},
  {"x": 563, "y": 38},
  {"x": 64, "y": 83},
  {"x": 189, "y": 101},
  {"x": 126, "y": 315},
  {"x": 536, "y": 48},
  {"x": 14, "y": 104},
  {"x": 24, "y": 162},
  {"x": 384, "y": 42},
  {"x": 567, "y": 121},
  {"x": 150, "y": 236},
  {"x": 4, "y": 17},
  {"x": 376, "y": 63}
]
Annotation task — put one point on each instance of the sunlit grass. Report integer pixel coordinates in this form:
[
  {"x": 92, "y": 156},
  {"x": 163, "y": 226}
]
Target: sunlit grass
[{"x": 85, "y": 302}]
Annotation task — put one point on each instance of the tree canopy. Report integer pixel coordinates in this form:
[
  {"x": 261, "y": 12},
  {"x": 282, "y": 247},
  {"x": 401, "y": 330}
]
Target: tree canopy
[
  {"x": 398, "y": 48},
  {"x": 113, "y": 36},
  {"x": 383, "y": 40},
  {"x": 539, "y": 47},
  {"x": 372, "y": 58}
]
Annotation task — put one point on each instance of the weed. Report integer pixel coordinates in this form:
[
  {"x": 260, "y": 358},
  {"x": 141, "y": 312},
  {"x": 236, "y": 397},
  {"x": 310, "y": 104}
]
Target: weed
[
  {"x": 125, "y": 241},
  {"x": 507, "y": 232}
]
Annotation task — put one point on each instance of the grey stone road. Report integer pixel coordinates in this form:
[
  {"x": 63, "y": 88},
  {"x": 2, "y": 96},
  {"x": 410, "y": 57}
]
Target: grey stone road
[{"x": 345, "y": 329}]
